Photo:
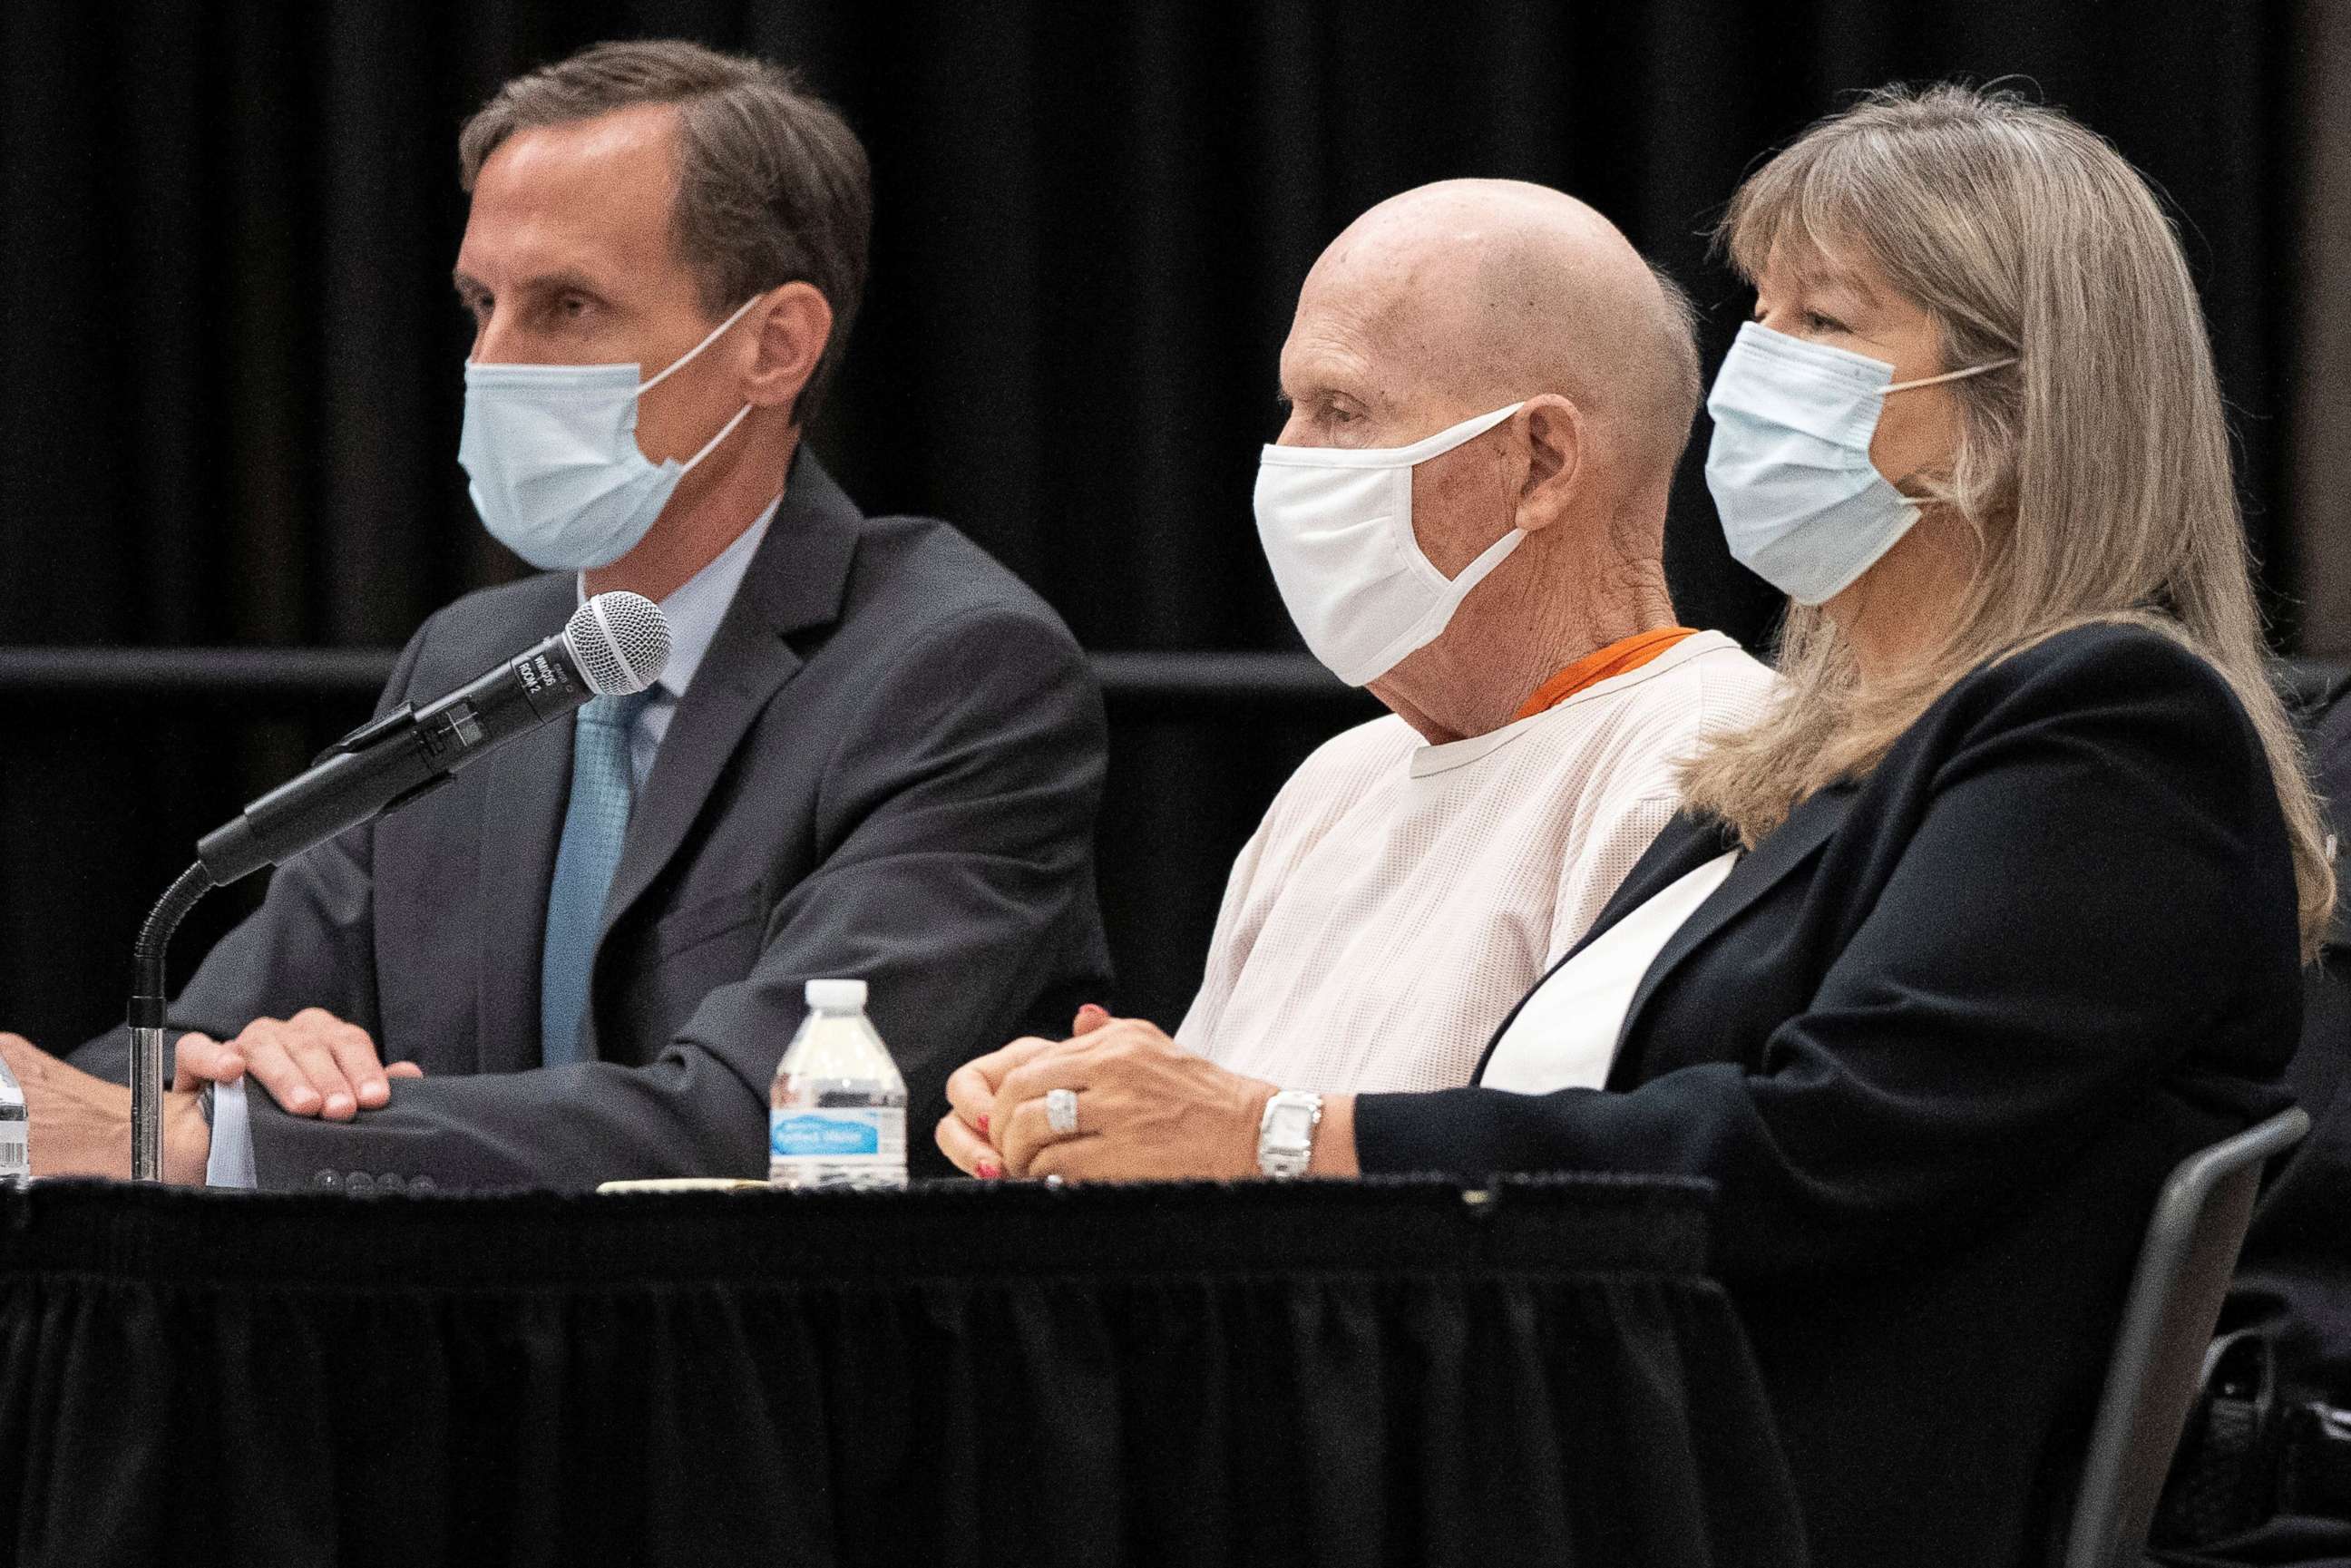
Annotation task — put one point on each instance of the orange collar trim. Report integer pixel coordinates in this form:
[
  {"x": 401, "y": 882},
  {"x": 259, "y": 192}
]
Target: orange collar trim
[{"x": 1616, "y": 659}]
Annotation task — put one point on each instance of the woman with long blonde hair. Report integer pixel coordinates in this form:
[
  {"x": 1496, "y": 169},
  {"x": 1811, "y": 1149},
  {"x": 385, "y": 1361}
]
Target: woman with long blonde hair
[{"x": 1994, "y": 919}]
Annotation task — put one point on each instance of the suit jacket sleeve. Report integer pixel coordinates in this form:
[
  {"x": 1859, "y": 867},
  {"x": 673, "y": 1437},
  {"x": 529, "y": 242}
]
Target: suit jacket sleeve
[
  {"x": 310, "y": 943},
  {"x": 2065, "y": 922},
  {"x": 957, "y": 813}
]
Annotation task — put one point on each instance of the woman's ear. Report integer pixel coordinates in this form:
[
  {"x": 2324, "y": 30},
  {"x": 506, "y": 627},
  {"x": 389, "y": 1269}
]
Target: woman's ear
[
  {"x": 794, "y": 325},
  {"x": 1552, "y": 428}
]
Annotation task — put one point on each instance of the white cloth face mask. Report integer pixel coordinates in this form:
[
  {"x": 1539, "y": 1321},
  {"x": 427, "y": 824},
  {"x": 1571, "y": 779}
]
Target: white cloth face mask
[
  {"x": 1801, "y": 505},
  {"x": 1337, "y": 525},
  {"x": 552, "y": 453}
]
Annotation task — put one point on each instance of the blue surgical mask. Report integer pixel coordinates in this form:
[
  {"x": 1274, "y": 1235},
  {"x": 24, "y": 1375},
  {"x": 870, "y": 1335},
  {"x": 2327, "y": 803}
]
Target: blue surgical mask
[
  {"x": 1801, "y": 505},
  {"x": 552, "y": 453}
]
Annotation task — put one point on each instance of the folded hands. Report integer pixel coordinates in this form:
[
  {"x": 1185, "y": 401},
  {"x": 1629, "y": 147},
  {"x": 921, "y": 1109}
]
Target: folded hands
[{"x": 1147, "y": 1109}]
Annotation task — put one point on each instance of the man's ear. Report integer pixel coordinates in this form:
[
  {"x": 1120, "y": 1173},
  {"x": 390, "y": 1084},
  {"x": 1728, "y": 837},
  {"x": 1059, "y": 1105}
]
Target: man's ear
[
  {"x": 1554, "y": 430},
  {"x": 790, "y": 329}
]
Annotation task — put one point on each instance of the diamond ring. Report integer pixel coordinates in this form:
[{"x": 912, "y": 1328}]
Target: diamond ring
[{"x": 1061, "y": 1111}]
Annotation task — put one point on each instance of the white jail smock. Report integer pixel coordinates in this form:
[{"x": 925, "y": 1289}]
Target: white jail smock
[{"x": 1400, "y": 897}]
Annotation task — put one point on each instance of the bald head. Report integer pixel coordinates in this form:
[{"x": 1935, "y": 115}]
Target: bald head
[{"x": 1460, "y": 297}]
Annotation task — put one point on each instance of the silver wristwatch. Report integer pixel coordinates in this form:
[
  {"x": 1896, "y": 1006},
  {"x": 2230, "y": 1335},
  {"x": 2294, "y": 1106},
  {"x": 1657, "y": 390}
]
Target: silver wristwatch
[{"x": 1285, "y": 1133}]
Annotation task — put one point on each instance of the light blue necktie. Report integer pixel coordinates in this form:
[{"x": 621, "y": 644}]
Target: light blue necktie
[{"x": 594, "y": 824}]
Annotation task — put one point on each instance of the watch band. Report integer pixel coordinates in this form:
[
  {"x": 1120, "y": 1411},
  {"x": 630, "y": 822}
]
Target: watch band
[{"x": 1285, "y": 1133}]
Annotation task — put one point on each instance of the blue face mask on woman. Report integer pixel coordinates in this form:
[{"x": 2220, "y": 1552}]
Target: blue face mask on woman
[
  {"x": 1801, "y": 505},
  {"x": 552, "y": 453}
]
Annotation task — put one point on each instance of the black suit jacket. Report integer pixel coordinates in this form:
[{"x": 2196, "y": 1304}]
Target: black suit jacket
[
  {"x": 1937, "y": 1040},
  {"x": 887, "y": 766}
]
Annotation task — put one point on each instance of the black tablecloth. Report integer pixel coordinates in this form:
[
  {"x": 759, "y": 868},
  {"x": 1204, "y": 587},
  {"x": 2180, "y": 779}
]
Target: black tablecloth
[{"x": 1006, "y": 1376}]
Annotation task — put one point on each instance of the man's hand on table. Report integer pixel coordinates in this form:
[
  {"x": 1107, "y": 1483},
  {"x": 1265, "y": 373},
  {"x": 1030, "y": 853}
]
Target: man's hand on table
[
  {"x": 80, "y": 1126},
  {"x": 313, "y": 1064}
]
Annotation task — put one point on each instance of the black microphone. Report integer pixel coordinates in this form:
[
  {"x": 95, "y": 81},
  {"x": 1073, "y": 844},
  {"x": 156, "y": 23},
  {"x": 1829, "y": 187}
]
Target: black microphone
[{"x": 615, "y": 644}]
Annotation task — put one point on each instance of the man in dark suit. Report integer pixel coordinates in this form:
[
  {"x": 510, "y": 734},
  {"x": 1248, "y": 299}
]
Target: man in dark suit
[{"x": 872, "y": 753}]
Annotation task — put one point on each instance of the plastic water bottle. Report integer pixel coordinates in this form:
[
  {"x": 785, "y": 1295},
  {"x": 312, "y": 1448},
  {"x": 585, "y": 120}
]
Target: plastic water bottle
[
  {"x": 837, "y": 1111},
  {"x": 16, "y": 1151}
]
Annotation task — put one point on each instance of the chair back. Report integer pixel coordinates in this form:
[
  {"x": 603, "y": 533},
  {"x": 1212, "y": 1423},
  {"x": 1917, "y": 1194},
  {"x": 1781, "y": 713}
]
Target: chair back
[{"x": 2184, "y": 1268}]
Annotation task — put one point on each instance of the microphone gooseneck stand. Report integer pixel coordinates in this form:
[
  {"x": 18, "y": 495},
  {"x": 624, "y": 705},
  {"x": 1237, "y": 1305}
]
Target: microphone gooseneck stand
[
  {"x": 380, "y": 765},
  {"x": 615, "y": 642},
  {"x": 147, "y": 1016}
]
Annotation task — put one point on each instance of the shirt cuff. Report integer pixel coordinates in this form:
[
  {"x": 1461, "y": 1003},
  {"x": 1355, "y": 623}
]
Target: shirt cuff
[{"x": 231, "y": 1163}]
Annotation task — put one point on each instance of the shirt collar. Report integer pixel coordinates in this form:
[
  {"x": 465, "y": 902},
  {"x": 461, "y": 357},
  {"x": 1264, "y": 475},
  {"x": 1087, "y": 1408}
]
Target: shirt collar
[
  {"x": 1428, "y": 760},
  {"x": 1616, "y": 659},
  {"x": 694, "y": 610}
]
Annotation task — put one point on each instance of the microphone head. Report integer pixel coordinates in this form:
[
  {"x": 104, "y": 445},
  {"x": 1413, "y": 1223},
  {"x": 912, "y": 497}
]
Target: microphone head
[{"x": 620, "y": 641}]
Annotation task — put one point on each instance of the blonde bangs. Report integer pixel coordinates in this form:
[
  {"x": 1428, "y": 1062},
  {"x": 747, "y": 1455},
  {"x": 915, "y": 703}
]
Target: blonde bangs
[{"x": 1798, "y": 210}]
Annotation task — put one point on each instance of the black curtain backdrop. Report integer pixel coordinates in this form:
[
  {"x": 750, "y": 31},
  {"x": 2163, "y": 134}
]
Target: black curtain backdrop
[{"x": 232, "y": 390}]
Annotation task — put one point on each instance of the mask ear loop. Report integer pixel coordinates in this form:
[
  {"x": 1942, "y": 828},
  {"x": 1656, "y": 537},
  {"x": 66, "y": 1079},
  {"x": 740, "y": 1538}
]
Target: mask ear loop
[
  {"x": 715, "y": 333},
  {"x": 1932, "y": 381},
  {"x": 1947, "y": 376},
  {"x": 711, "y": 445},
  {"x": 675, "y": 365}
]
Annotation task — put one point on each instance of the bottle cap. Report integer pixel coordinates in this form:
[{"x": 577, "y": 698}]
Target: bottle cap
[{"x": 836, "y": 996}]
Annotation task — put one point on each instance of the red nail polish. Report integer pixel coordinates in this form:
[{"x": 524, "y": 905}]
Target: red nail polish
[
  {"x": 989, "y": 1170},
  {"x": 982, "y": 1123}
]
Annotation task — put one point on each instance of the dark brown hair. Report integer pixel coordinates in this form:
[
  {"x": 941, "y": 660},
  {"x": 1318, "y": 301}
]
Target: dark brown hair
[{"x": 772, "y": 186}]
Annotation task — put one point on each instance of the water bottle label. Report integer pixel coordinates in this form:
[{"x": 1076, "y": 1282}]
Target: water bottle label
[
  {"x": 13, "y": 1156},
  {"x": 838, "y": 1132}
]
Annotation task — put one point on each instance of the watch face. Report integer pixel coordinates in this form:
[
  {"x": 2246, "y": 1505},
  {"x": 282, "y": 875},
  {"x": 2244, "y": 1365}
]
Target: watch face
[{"x": 1292, "y": 1126}]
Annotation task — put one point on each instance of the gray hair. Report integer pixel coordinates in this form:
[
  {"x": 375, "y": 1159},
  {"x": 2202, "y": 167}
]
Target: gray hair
[
  {"x": 772, "y": 186},
  {"x": 1676, "y": 330}
]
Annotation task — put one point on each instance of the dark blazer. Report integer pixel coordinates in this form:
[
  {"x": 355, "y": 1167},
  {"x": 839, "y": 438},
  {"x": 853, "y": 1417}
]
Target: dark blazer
[
  {"x": 1937, "y": 1040},
  {"x": 887, "y": 766}
]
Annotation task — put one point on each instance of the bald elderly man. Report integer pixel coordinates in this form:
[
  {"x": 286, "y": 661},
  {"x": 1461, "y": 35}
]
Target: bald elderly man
[{"x": 1488, "y": 391}]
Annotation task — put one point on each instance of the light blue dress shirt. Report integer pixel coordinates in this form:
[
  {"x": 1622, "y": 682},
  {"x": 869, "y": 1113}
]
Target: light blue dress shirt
[{"x": 693, "y": 612}]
